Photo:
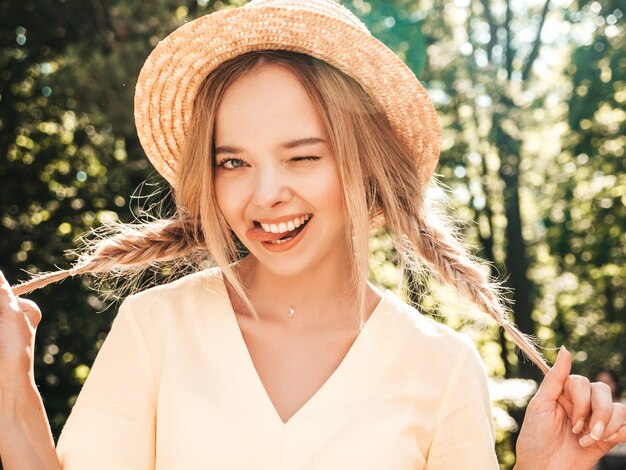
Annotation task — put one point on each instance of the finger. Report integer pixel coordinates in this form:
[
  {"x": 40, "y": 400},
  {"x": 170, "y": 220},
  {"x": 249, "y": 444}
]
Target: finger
[
  {"x": 618, "y": 420},
  {"x": 578, "y": 390},
  {"x": 619, "y": 436},
  {"x": 31, "y": 310},
  {"x": 552, "y": 385},
  {"x": 601, "y": 409},
  {"x": 8, "y": 301}
]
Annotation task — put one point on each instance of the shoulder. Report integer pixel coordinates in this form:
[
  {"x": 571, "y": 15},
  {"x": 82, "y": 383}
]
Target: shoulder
[
  {"x": 202, "y": 288},
  {"x": 422, "y": 335},
  {"x": 191, "y": 284},
  {"x": 429, "y": 351},
  {"x": 438, "y": 365},
  {"x": 172, "y": 316}
]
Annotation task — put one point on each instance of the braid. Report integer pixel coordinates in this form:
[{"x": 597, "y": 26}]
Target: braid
[
  {"x": 133, "y": 246},
  {"x": 395, "y": 192},
  {"x": 454, "y": 266}
]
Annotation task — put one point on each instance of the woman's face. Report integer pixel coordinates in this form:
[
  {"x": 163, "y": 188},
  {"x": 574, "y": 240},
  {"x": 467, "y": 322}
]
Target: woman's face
[{"x": 277, "y": 182}]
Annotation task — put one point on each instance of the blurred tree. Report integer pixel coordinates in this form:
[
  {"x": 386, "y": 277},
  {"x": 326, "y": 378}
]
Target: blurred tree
[
  {"x": 73, "y": 161},
  {"x": 585, "y": 221},
  {"x": 480, "y": 93},
  {"x": 531, "y": 99}
]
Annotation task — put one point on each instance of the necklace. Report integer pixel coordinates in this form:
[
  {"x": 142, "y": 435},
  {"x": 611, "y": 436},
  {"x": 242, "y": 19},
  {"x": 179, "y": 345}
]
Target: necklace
[{"x": 291, "y": 310}]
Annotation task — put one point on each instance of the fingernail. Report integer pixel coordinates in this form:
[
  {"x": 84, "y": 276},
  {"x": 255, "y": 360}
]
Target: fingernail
[
  {"x": 578, "y": 426},
  {"x": 562, "y": 351},
  {"x": 587, "y": 440},
  {"x": 597, "y": 430},
  {"x": 612, "y": 437}
]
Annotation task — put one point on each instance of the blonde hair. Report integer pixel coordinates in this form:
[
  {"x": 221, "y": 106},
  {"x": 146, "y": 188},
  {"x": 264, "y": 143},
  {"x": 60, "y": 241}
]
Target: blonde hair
[{"x": 380, "y": 185}]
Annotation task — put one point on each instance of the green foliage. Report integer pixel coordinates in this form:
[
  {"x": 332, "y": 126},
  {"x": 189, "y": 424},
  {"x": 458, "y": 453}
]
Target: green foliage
[
  {"x": 533, "y": 143},
  {"x": 73, "y": 160},
  {"x": 585, "y": 221},
  {"x": 394, "y": 24},
  {"x": 545, "y": 140}
]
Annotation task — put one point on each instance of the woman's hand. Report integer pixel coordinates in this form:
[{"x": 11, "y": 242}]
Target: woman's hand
[
  {"x": 570, "y": 423},
  {"x": 25, "y": 439},
  {"x": 18, "y": 323}
]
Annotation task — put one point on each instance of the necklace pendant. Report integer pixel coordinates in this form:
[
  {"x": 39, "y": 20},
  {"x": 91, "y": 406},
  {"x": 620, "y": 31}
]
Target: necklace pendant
[{"x": 292, "y": 312}]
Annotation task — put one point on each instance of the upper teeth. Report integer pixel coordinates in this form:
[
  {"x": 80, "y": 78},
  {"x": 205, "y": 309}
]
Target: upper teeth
[{"x": 286, "y": 226}]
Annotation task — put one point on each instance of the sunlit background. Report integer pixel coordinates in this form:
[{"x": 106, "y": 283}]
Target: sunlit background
[{"x": 531, "y": 99}]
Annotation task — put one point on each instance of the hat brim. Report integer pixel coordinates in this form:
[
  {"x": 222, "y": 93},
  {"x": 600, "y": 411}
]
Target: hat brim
[{"x": 174, "y": 71}]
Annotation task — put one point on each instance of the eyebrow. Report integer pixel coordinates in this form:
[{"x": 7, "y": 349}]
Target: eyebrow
[{"x": 287, "y": 145}]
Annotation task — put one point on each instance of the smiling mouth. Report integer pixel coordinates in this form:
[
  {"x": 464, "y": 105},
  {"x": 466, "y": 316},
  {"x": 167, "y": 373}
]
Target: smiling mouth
[
  {"x": 258, "y": 233},
  {"x": 291, "y": 234}
]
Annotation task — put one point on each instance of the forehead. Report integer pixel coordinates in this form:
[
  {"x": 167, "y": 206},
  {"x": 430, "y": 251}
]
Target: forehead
[{"x": 267, "y": 105}]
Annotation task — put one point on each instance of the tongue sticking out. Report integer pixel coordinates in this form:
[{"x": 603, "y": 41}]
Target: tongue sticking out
[{"x": 257, "y": 233}]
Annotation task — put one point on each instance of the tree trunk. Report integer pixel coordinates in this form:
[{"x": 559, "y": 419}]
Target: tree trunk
[{"x": 516, "y": 260}]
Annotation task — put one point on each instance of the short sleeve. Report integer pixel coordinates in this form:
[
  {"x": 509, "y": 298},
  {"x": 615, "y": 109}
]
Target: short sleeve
[
  {"x": 464, "y": 435},
  {"x": 112, "y": 424}
]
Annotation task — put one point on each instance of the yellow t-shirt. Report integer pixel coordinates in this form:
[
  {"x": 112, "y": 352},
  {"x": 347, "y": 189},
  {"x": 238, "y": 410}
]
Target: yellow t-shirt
[{"x": 174, "y": 387}]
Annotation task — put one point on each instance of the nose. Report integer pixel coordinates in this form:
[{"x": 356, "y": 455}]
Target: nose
[{"x": 271, "y": 188}]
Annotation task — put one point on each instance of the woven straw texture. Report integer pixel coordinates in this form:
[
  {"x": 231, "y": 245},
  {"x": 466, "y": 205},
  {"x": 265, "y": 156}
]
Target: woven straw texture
[{"x": 172, "y": 74}]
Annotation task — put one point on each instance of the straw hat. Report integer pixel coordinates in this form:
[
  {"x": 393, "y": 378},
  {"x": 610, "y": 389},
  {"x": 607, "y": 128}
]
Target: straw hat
[{"x": 172, "y": 74}]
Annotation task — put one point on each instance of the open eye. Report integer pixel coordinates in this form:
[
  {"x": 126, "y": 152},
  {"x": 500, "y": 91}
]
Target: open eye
[{"x": 231, "y": 163}]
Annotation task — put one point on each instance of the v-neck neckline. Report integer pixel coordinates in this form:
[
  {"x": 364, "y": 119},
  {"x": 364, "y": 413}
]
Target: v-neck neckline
[{"x": 342, "y": 369}]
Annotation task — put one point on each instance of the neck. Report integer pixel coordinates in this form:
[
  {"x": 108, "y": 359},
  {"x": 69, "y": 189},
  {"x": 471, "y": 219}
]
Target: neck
[{"x": 321, "y": 295}]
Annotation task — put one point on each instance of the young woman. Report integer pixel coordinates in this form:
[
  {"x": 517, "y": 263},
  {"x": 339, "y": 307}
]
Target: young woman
[{"x": 287, "y": 132}]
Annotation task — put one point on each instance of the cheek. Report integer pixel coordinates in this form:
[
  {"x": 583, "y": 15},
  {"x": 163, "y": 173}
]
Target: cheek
[
  {"x": 226, "y": 203},
  {"x": 329, "y": 189},
  {"x": 336, "y": 187}
]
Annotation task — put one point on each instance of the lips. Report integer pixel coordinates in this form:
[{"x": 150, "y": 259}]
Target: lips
[{"x": 257, "y": 233}]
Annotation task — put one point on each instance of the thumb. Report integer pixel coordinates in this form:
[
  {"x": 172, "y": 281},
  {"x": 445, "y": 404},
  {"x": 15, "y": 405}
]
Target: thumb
[
  {"x": 552, "y": 386},
  {"x": 31, "y": 310}
]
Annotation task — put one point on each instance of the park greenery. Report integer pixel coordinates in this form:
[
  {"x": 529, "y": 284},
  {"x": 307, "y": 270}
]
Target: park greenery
[{"x": 531, "y": 97}]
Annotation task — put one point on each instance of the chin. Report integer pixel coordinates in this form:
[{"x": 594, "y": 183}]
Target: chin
[
  {"x": 289, "y": 267},
  {"x": 303, "y": 263}
]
